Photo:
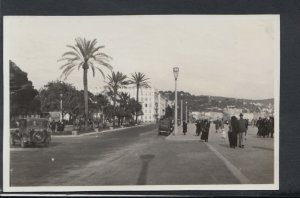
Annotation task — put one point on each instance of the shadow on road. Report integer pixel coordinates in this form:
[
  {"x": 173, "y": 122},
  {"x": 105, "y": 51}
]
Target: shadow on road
[{"x": 144, "y": 170}]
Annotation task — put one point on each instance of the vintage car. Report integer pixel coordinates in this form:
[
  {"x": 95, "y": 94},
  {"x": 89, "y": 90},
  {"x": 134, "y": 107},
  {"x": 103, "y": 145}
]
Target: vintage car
[
  {"x": 31, "y": 131},
  {"x": 165, "y": 126}
]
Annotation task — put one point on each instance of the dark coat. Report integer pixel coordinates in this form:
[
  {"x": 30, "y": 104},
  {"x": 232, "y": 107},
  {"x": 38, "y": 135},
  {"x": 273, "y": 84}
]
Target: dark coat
[{"x": 184, "y": 126}]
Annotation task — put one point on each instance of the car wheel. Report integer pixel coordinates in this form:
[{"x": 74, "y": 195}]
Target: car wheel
[
  {"x": 23, "y": 143},
  {"x": 38, "y": 136}
]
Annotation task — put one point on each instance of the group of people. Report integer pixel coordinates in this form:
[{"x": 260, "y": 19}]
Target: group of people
[
  {"x": 265, "y": 127},
  {"x": 56, "y": 126},
  {"x": 202, "y": 127},
  {"x": 219, "y": 125},
  {"x": 237, "y": 131}
]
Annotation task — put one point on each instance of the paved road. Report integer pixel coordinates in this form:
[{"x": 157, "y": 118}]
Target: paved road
[{"x": 138, "y": 156}]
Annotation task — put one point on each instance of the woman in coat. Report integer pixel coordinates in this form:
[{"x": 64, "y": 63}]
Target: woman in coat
[
  {"x": 205, "y": 132},
  {"x": 198, "y": 128},
  {"x": 184, "y": 127},
  {"x": 234, "y": 128}
]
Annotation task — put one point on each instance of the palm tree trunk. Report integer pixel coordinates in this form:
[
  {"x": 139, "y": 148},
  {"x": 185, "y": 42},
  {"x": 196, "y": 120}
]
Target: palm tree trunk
[
  {"x": 137, "y": 99},
  {"x": 114, "y": 110},
  {"x": 85, "y": 88}
]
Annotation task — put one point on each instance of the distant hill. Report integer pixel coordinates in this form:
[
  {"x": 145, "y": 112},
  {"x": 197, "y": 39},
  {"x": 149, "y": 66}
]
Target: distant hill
[{"x": 218, "y": 103}]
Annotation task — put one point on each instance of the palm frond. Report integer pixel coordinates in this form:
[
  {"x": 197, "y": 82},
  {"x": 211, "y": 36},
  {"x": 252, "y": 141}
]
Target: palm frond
[
  {"x": 93, "y": 68},
  {"x": 75, "y": 49},
  {"x": 101, "y": 72},
  {"x": 105, "y": 64}
]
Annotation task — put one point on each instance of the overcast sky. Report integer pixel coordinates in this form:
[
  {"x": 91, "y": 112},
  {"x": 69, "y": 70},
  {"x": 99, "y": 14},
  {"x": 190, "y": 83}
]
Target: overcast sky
[{"x": 231, "y": 56}]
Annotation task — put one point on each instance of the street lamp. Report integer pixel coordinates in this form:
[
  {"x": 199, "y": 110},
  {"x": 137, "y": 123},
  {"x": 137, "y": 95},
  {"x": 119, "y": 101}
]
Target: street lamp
[
  {"x": 181, "y": 109},
  {"x": 175, "y": 72},
  {"x": 186, "y": 112},
  {"x": 61, "y": 95}
]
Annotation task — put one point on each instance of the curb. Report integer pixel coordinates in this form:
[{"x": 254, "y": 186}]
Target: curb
[{"x": 96, "y": 132}]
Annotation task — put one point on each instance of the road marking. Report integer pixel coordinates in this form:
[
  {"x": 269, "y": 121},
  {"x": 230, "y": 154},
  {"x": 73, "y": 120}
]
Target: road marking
[{"x": 234, "y": 170}]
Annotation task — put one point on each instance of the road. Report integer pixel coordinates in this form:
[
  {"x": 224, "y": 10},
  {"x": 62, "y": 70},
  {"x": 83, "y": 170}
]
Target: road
[{"x": 138, "y": 156}]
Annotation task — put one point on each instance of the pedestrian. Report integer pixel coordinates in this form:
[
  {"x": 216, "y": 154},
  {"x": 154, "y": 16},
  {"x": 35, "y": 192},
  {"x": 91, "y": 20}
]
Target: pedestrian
[
  {"x": 233, "y": 130},
  {"x": 198, "y": 128},
  {"x": 205, "y": 131},
  {"x": 272, "y": 126},
  {"x": 258, "y": 124},
  {"x": 53, "y": 126},
  {"x": 217, "y": 125},
  {"x": 184, "y": 127},
  {"x": 241, "y": 131}
]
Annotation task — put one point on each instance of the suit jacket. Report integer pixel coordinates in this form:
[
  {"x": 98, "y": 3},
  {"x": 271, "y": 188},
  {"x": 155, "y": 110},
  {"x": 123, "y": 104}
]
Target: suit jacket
[{"x": 242, "y": 125}]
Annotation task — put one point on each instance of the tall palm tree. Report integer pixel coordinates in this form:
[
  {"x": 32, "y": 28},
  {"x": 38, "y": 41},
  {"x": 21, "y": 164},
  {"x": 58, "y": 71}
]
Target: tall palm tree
[
  {"x": 85, "y": 54},
  {"x": 140, "y": 81},
  {"x": 114, "y": 83},
  {"x": 123, "y": 105}
]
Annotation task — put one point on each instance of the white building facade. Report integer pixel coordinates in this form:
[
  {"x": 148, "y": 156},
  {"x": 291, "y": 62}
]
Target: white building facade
[{"x": 153, "y": 103}]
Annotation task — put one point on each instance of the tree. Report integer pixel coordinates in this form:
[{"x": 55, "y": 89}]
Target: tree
[
  {"x": 85, "y": 54},
  {"x": 23, "y": 96},
  {"x": 72, "y": 98},
  {"x": 114, "y": 83},
  {"x": 169, "y": 112},
  {"x": 140, "y": 81},
  {"x": 134, "y": 107},
  {"x": 122, "y": 110},
  {"x": 102, "y": 104}
]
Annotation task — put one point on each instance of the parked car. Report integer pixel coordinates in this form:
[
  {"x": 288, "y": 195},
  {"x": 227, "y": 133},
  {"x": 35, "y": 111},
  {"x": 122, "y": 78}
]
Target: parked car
[
  {"x": 165, "y": 125},
  {"x": 31, "y": 131}
]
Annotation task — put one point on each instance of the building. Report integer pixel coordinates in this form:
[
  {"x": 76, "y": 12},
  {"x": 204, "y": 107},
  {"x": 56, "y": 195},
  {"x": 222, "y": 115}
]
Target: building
[{"x": 153, "y": 103}]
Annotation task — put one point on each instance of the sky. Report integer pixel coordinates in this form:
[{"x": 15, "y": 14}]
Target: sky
[{"x": 231, "y": 56}]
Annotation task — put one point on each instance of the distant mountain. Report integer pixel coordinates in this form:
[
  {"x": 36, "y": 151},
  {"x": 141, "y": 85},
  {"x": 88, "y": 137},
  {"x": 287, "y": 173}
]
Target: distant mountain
[{"x": 218, "y": 103}]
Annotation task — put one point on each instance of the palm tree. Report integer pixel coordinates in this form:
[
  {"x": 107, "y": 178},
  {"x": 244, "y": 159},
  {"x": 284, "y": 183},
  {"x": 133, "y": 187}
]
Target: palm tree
[
  {"x": 114, "y": 83},
  {"x": 123, "y": 105},
  {"x": 140, "y": 81},
  {"x": 85, "y": 54}
]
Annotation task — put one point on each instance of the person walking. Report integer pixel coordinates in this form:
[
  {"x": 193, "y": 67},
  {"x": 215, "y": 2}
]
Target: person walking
[
  {"x": 217, "y": 125},
  {"x": 233, "y": 131},
  {"x": 272, "y": 126},
  {"x": 241, "y": 131},
  {"x": 53, "y": 126},
  {"x": 184, "y": 127},
  {"x": 197, "y": 127},
  {"x": 205, "y": 131}
]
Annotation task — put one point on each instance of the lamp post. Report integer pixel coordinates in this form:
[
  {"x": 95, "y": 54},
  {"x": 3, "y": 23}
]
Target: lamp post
[
  {"x": 61, "y": 95},
  {"x": 175, "y": 72},
  {"x": 186, "y": 112},
  {"x": 181, "y": 110}
]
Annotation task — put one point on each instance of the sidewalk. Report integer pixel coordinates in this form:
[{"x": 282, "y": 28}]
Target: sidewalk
[
  {"x": 97, "y": 132},
  {"x": 253, "y": 164}
]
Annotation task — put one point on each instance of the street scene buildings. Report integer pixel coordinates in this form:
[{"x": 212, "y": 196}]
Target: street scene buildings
[{"x": 148, "y": 102}]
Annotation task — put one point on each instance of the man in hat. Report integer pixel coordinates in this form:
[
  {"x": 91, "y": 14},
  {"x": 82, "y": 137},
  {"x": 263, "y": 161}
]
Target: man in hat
[{"x": 242, "y": 131}]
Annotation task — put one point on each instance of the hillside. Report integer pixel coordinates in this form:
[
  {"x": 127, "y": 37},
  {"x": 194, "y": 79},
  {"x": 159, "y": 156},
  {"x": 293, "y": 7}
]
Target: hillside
[{"x": 218, "y": 103}]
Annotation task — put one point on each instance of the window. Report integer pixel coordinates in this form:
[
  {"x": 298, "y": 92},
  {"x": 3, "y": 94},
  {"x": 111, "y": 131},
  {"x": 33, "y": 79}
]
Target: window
[
  {"x": 145, "y": 104},
  {"x": 145, "y": 110},
  {"x": 146, "y": 99}
]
